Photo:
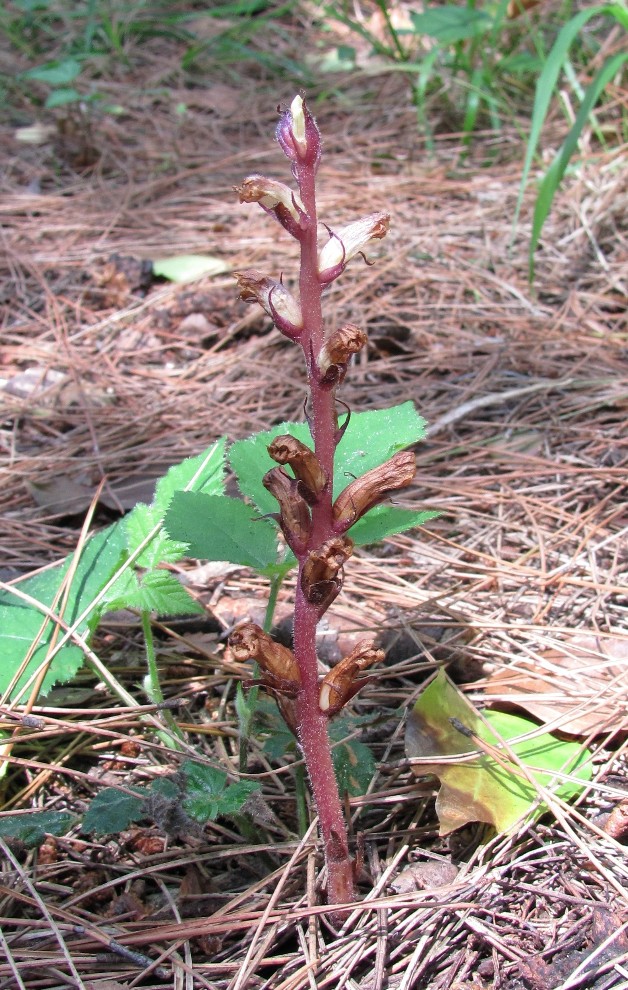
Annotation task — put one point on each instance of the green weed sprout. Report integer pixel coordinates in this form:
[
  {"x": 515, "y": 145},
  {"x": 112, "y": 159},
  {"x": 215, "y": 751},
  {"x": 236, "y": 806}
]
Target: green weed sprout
[{"x": 314, "y": 523}]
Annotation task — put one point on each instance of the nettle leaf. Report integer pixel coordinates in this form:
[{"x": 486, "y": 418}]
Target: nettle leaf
[
  {"x": 31, "y": 828},
  {"x": 21, "y": 623},
  {"x": 386, "y": 520},
  {"x": 216, "y": 527},
  {"x": 354, "y": 763},
  {"x": 250, "y": 460},
  {"x": 112, "y": 811},
  {"x": 62, "y": 97},
  {"x": 57, "y": 73},
  {"x": 209, "y": 795},
  {"x": 371, "y": 438},
  {"x": 156, "y": 591},
  {"x": 203, "y": 473},
  {"x": 161, "y": 549},
  {"x": 488, "y": 788}
]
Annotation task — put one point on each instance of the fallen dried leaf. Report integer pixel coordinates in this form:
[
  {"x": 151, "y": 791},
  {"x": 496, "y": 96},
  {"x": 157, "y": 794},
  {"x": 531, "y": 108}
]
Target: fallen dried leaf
[
  {"x": 617, "y": 823},
  {"x": 424, "y": 876},
  {"x": 579, "y": 688}
]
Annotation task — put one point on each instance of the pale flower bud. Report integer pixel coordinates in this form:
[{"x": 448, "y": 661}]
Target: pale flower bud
[
  {"x": 349, "y": 241},
  {"x": 274, "y": 298},
  {"x": 274, "y": 197},
  {"x": 298, "y": 134}
]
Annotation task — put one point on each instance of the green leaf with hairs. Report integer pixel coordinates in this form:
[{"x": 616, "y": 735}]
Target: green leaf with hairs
[
  {"x": 216, "y": 527},
  {"x": 32, "y": 828},
  {"x": 27, "y": 632},
  {"x": 112, "y": 811},
  {"x": 208, "y": 793}
]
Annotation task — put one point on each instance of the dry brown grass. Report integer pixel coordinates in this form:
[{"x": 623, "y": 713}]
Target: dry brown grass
[{"x": 526, "y": 393}]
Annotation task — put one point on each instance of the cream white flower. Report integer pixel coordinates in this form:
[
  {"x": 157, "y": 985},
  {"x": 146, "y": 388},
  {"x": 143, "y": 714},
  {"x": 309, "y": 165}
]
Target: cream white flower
[
  {"x": 274, "y": 298},
  {"x": 344, "y": 244},
  {"x": 270, "y": 194}
]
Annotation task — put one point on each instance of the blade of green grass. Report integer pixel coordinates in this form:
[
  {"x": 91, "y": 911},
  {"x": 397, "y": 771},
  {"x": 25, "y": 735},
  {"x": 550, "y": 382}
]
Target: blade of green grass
[
  {"x": 555, "y": 172},
  {"x": 546, "y": 84}
]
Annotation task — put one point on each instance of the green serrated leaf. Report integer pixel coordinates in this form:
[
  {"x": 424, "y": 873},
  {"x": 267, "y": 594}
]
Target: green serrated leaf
[
  {"x": 112, "y": 811},
  {"x": 489, "y": 788},
  {"x": 203, "y": 473},
  {"x": 354, "y": 763},
  {"x": 386, "y": 520},
  {"x": 21, "y": 622},
  {"x": 161, "y": 549},
  {"x": 186, "y": 267},
  {"x": 164, "y": 787},
  {"x": 208, "y": 795},
  {"x": 235, "y": 797},
  {"x": 124, "y": 592},
  {"x": 62, "y": 97},
  {"x": 31, "y": 828},
  {"x": 450, "y": 23},
  {"x": 216, "y": 527},
  {"x": 159, "y": 591}
]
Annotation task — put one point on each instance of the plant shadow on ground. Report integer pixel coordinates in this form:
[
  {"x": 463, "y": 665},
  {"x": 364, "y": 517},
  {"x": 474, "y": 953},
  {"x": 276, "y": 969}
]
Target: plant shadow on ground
[{"x": 108, "y": 373}]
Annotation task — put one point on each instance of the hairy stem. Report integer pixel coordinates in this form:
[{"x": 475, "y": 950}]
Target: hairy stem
[{"x": 311, "y": 721}]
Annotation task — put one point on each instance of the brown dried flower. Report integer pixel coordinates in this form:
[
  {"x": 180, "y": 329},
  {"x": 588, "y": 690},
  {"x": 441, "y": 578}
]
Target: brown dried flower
[
  {"x": 286, "y": 449},
  {"x": 372, "y": 487},
  {"x": 321, "y": 577},
  {"x": 343, "y": 681},
  {"x": 337, "y": 350},
  {"x": 294, "y": 515},
  {"x": 279, "y": 667}
]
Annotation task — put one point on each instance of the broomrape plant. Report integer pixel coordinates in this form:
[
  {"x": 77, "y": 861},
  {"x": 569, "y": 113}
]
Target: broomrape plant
[{"x": 314, "y": 524}]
